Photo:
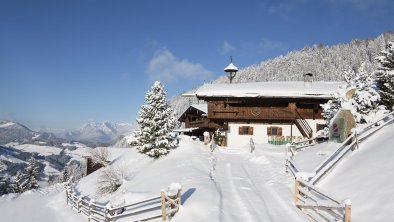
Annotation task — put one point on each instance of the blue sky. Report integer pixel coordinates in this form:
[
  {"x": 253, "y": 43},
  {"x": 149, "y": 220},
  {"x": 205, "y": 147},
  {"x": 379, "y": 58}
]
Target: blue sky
[{"x": 63, "y": 63}]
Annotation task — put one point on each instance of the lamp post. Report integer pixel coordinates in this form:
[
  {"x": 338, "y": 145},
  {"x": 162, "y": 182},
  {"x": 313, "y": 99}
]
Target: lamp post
[{"x": 231, "y": 70}]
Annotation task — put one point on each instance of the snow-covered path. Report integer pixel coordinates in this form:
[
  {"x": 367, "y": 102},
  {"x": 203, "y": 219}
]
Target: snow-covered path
[{"x": 253, "y": 189}]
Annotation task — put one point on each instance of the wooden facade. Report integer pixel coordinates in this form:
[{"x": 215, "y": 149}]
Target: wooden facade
[
  {"x": 263, "y": 109},
  {"x": 225, "y": 110}
]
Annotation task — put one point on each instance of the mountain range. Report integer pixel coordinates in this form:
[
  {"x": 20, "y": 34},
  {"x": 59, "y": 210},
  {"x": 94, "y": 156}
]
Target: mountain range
[
  {"x": 13, "y": 132},
  {"x": 91, "y": 133},
  {"x": 97, "y": 132}
]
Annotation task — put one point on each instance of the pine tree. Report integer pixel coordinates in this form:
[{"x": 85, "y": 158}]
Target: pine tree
[
  {"x": 18, "y": 183},
  {"x": 32, "y": 174},
  {"x": 3, "y": 179},
  {"x": 157, "y": 120},
  {"x": 2, "y": 167},
  {"x": 385, "y": 76},
  {"x": 65, "y": 174}
]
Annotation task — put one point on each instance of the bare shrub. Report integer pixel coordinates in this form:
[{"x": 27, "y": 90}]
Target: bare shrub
[
  {"x": 100, "y": 155},
  {"x": 111, "y": 178}
]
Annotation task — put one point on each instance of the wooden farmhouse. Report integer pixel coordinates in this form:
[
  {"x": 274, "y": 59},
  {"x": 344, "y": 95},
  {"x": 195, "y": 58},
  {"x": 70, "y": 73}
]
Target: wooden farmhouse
[
  {"x": 263, "y": 111},
  {"x": 196, "y": 121}
]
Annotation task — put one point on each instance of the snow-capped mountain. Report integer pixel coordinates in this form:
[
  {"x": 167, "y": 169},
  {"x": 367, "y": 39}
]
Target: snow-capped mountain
[
  {"x": 99, "y": 132},
  {"x": 11, "y": 131}
]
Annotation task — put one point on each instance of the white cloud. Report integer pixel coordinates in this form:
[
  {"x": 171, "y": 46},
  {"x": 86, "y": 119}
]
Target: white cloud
[
  {"x": 367, "y": 5},
  {"x": 267, "y": 44},
  {"x": 166, "y": 67},
  {"x": 227, "y": 48}
]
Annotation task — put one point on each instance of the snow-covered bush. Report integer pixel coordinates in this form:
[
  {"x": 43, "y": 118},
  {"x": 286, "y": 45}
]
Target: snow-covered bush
[
  {"x": 74, "y": 170},
  {"x": 100, "y": 155},
  {"x": 156, "y": 122},
  {"x": 111, "y": 178},
  {"x": 385, "y": 76}
]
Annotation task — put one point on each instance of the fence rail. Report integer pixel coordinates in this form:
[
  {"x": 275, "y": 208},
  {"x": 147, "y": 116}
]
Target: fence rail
[
  {"x": 319, "y": 205},
  {"x": 163, "y": 206}
]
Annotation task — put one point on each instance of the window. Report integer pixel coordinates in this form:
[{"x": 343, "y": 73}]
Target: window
[
  {"x": 245, "y": 130},
  {"x": 274, "y": 131}
]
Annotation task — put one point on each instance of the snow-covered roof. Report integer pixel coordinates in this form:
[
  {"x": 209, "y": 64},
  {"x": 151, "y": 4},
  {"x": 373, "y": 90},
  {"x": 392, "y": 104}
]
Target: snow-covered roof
[
  {"x": 231, "y": 67},
  {"x": 293, "y": 89},
  {"x": 184, "y": 130},
  {"x": 201, "y": 107}
]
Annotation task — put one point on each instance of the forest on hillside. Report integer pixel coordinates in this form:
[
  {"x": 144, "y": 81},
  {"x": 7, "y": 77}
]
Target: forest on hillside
[{"x": 326, "y": 63}]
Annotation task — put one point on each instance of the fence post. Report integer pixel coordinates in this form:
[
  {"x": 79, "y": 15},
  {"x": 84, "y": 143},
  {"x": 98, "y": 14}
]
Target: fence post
[
  {"x": 296, "y": 192},
  {"x": 163, "y": 206},
  {"x": 90, "y": 208},
  {"x": 107, "y": 211},
  {"x": 67, "y": 195},
  {"x": 79, "y": 204},
  {"x": 179, "y": 199},
  {"x": 348, "y": 211}
]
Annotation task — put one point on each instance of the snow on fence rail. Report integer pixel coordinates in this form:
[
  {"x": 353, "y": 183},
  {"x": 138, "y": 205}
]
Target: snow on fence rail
[
  {"x": 293, "y": 147},
  {"x": 163, "y": 206},
  {"x": 318, "y": 205}
]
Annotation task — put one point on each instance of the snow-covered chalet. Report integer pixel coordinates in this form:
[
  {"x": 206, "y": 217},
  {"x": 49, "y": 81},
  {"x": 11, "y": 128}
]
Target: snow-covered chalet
[{"x": 263, "y": 111}]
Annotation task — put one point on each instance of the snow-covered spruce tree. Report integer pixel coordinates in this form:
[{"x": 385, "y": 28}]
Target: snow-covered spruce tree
[
  {"x": 385, "y": 76},
  {"x": 18, "y": 183},
  {"x": 154, "y": 135},
  {"x": 365, "y": 101},
  {"x": 32, "y": 174}
]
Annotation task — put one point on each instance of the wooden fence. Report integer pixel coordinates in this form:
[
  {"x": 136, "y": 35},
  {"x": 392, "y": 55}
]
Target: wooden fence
[
  {"x": 163, "y": 206},
  {"x": 350, "y": 144},
  {"x": 293, "y": 147},
  {"x": 318, "y": 205}
]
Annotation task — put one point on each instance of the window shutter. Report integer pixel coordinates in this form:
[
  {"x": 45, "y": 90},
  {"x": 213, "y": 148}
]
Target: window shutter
[
  {"x": 250, "y": 130},
  {"x": 279, "y": 131},
  {"x": 269, "y": 133},
  {"x": 240, "y": 130}
]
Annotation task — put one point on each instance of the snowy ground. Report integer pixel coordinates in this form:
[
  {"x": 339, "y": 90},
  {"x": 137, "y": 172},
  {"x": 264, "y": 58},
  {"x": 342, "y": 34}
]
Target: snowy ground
[
  {"x": 227, "y": 185},
  {"x": 308, "y": 158}
]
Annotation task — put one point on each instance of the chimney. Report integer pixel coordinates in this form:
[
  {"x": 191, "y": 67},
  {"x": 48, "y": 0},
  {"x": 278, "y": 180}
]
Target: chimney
[{"x": 308, "y": 80}]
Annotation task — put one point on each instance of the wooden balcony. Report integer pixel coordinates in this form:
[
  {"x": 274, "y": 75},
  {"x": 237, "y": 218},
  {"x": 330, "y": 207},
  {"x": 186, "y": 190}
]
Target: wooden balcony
[
  {"x": 201, "y": 123},
  {"x": 261, "y": 113},
  {"x": 258, "y": 111}
]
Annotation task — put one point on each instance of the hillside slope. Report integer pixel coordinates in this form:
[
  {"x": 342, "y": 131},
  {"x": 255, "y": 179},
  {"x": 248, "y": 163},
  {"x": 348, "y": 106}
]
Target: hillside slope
[
  {"x": 366, "y": 178},
  {"x": 216, "y": 186}
]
